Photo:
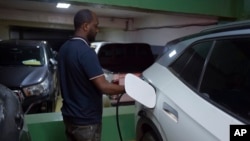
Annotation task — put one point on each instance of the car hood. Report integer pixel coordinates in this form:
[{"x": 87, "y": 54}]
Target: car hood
[{"x": 21, "y": 76}]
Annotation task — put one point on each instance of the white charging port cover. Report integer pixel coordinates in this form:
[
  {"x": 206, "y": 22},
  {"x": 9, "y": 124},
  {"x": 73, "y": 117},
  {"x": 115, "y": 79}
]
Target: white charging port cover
[{"x": 140, "y": 90}]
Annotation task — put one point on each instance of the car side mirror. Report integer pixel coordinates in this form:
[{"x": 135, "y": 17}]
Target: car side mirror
[
  {"x": 140, "y": 91},
  {"x": 53, "y": 62}
]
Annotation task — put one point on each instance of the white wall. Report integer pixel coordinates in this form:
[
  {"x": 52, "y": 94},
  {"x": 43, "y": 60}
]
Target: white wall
[
  {"x": 160, "y": 36},
  {"x": 156, "y": 30},
  {"x": 112, "y": 35},
  {"x": 159, "y": 29}
]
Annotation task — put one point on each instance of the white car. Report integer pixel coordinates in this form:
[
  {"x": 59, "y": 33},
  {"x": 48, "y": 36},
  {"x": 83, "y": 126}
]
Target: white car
[{"x": 197, "y": 88}]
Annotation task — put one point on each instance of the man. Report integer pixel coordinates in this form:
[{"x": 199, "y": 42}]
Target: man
[{"x": 82, "y": 81}]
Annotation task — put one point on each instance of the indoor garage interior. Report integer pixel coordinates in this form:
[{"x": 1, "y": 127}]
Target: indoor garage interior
[{"x": 152, "y": 23}]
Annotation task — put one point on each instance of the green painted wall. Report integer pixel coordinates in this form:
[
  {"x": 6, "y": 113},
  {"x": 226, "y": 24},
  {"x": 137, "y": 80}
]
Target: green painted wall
[
  {"x": 220, "y": 8},
  {"x": 49, "y": 126}
]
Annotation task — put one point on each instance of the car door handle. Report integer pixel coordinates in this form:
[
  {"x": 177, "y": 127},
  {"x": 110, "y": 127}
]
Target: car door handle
[{"x": 170, "y": 112}]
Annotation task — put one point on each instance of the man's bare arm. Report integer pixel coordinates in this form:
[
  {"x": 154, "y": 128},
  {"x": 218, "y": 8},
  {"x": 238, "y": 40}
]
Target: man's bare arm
[{"x": 106, "y": 87}]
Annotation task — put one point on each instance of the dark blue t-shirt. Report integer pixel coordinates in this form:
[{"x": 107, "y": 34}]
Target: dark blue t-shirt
[{"x": 82, "y": 101}]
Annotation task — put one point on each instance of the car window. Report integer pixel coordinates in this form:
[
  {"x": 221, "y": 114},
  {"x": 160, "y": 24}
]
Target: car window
[
  {"x": 119, "y": 51},
  {"x": 21, "y": 55},
  {"x": 189, "y": 65},
  {"x": 142, "y": 52},
  {"x": 227, "y": 76},
  {"x": 125, "y": 57},
  {"x": 131, "y": 51},
  {"x": 106, "y": 51},
  {"x": 220, "y": 70}
]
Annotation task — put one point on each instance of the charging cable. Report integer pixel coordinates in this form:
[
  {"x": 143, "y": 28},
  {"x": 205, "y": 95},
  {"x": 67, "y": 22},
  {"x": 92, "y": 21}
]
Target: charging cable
[{"x": 117, "y": 118}]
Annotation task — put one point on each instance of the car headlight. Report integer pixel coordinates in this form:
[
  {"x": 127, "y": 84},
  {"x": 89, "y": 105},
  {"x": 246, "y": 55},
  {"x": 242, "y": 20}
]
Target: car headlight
[{"x": 38, "y": 89}]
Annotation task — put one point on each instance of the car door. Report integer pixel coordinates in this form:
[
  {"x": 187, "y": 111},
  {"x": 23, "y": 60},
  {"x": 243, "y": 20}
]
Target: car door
[{"x": 189, "y": 109}]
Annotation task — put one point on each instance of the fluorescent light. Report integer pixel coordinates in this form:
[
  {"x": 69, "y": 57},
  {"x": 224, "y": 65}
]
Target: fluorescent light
[{"x": 62, "y": 5}]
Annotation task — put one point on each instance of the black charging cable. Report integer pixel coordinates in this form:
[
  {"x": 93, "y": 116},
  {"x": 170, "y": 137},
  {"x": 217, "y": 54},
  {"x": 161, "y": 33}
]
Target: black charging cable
[{"x": 117, "y": 118}]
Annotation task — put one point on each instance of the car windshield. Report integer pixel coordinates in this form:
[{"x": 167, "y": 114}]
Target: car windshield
[
  {"x": 125, "y": 57},
  {"x": 21, "y": 55}
]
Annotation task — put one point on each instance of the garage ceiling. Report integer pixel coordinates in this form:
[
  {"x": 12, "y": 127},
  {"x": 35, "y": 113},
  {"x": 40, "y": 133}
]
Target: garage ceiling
[{"x": 101, "y": 10}]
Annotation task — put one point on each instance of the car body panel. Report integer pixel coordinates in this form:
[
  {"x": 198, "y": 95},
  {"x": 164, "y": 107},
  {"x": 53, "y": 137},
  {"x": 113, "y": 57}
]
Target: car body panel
[
  {"x": 97, "y": 45},
  {"x": 179, "y": 99},
  {"x": 23, "y": 75},
  {"x": 188, "y": 110}
]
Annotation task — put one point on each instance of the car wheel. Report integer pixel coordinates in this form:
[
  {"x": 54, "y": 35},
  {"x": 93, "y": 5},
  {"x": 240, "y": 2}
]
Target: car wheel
[
  {"x": 147, "y": 131},
  {"x": 149, "y": 136}
]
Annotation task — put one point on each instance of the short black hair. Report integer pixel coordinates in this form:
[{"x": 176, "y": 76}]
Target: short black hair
[{"x": 82, "y": 16}]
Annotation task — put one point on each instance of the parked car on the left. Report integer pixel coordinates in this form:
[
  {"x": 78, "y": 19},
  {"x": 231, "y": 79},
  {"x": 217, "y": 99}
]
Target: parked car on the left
[
  {"x": 12, "y": 124},
  {"x": 29, "y": 69}
]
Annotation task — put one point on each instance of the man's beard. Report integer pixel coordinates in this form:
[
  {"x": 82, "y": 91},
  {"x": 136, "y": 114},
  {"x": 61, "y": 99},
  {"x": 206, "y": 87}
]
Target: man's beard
[{"x": 91, "y": 37}]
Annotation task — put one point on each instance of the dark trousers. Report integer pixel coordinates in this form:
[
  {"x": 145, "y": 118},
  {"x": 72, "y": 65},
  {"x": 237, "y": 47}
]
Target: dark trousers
[{"x": 83, "y": 133}]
